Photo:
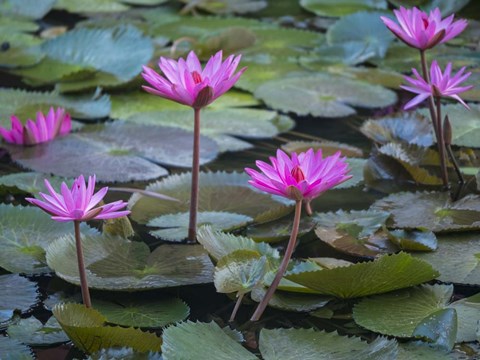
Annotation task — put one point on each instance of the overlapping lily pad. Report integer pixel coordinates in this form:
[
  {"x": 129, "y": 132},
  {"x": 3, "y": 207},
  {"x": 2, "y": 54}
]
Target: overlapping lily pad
[
  {"x": 433, "y": 211},
  {"x": 144, "y": 313},
  {"x": 323, "y": 95},
  {"x": 308, "y": 344},
  {"x": 219, "y": 191},
  {"x": 32, "y": 332},
  {"x": 25, "y": 233},
  {"x": 25, "y": 104},
  {"x": 386, "y": 273},
  {"x": 190, "y": 341},
  {"x": 114, "y": 263},
  {"x": 343, "y": 7},
  {"x": 289, "y": 301},
  {"x": 28, "y": 182},
  {"x": 328, "y": 148},
  {"x": 226, "y": 6},
  {"x": 11, "y": 349},
  {"x": 88, "y": 330},
  {"x": 33, "y": 9}
]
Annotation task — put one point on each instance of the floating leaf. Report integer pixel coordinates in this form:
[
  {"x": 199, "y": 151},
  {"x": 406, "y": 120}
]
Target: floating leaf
[
  {"x": 219, "y": 191},
  {"x": 25, "y": 104},
  {"x": 465, "y": 124},
  {"x": 328, "y": 148},
  {"x": 29, "y": 182},
  {"x": 219, "y": 244},
  {"x": 176, "y": 225},
  {"x": 363, "y": 28},
  {"x": 124, "y": 354},
  {"x": 109, "y": 163},
  {"x": 308, "y": 344},
  {"x": 145, "y": 313},
  {"x": 33, "y": 9},
  {"x": 91, "y": 6},
  {"x": 354, "y": 232},
  {"x": 288, "y": 301},
  {"x": 118, "y": 51},
  {"x": 407, "y": 126},
  {"x": 87, "y": 329},
  {"x": 11, "y": 349},
  {"x": 415, "y": 240},
  {"x": 226, "y": 6},
  {"x": 191, "y": 341},
  {"x": 336, "y": 8},
  {"x": 278, "y": 230},
  {"x": 25, "y": 233},
  {"x": 433, "y": 211},
  {"x": 124, "y": 265},
  {"x": 386, "y": 273},
  {"x": 323, "y": 95},
  {"x": 32, "y": 332},
  {"x": 440, "y": 328},
  {"x": 457, "y": 258}
]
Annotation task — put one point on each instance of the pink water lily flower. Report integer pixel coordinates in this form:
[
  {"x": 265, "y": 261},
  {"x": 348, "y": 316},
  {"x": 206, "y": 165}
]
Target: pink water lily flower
[
  {"x": 45, "y": 128},
  {"x": 301, "y": 177},
  {"x": 421, "y": 30},
  {"x": 78, "y": 203},
  {"x": 185, "y": 82},
  {"x": 442, "y": 84}
]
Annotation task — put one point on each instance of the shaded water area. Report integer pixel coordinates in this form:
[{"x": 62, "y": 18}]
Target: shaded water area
[{"x": 387, "y": 266}]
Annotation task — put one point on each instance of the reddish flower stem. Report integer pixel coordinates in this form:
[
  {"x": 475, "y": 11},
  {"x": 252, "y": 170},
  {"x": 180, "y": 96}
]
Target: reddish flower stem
[
  {"x": 283, "y": 266},
  {"x": 237, "y": 306},
  {"x": 192, "y": 225},
  {"x": 437, "y": 123},
  {"x": 81, "y": 267}
]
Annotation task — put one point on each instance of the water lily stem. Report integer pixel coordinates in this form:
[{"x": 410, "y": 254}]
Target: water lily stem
[
  {"x": 237, "y": 306},
  {"x": 283, "y": 266},
  {"x": 437, "y": 123},
  {"x": 192, "y": 225},
  {"x": 81, "y": 266}
]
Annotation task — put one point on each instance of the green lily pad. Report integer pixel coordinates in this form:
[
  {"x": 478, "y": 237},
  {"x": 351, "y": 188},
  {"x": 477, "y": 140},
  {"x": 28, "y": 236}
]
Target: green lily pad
[
  {"x": 288, "y": 301},
  {"x": 31, "y": 331},
  {"x": 226, "y": 6},
  {"x": 219, "y": 244},
  {"x": 423, "y": 311},
  {"x": 133, "y": 103},
  {"x": 408, "y": 127},
  {"x": 239, "y": 272},
  {"x": 87, "y": 329},
  {"x": 11, "y": 349},
  {"x": 124, "y": 353},
  {"x": 176, "y": 225},
  {"x": 308, "y": 344},
  {"x": 144, "y": 313},
  {"x": 18, "y": 295},
  {"x": 457, "y": 258},
  {"x": 19, "y": 54},
  {"x": 118, "y": 51},
  {"x": 124, "y": 265},
  {"x": 323, "y": 95},
  {"x": 328, "y": 148},
  {"x": 109, "y": 163},
  {"x": 465, "y": 124},
  {"x": 219, "y": 191},
  {"x": 29, "y": 182},
  {"x": 25, "y": 233},
  {"x": 386, "y": 273},
  {"x": 354, "y": 232},
  {"x": 363, "y": 28},
  {"x": 25, "y": 104},
  {"x": 33, "y": 9},
  {"x": 336, "y": 8},
  {"x": 91, "y": 6},
  {"x": 387, "y": 78},
  {"x": 191, "y": 341},
  {"x": 433, "y": 211},
  {"x": 278, "y": 230},
  {"x": 245, "y": 123},
  {"x": 415, "y": 240}
]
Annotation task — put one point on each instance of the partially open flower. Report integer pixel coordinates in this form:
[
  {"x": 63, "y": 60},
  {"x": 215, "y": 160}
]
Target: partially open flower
[
  {"x": 301, "y": 177},
  {"x": 45, "y": 128},
  {"x": 185, "y": 81},
  {"x": 421, "y": 30},
  {"x": 78, "y": 203},
  {"x": 442, "y": 84}
]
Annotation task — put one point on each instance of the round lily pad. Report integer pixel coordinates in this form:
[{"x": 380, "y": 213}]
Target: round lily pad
[
  {"x": 323, "y": 95},
  {"x": 115, "y": 263},
  {"x": 328, "y": 148},
  {"x": 32, "y": 332},
  {"x": 219, "y": 191},
  {"x": 29, "y": 182}
]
